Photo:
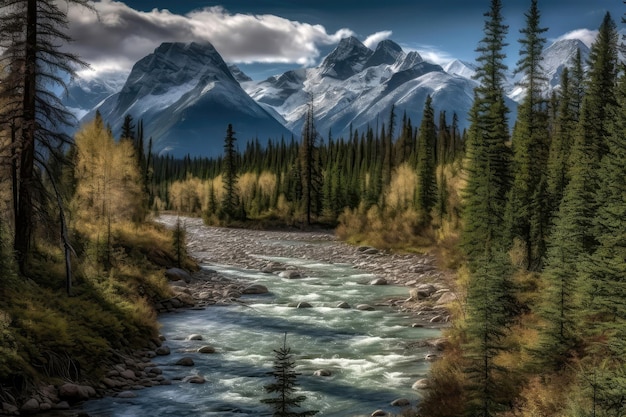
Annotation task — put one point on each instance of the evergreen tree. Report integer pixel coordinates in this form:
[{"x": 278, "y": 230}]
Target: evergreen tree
[
  {"x": 561, "y": 143},
  {"x": 426, "y": 190},
  {"x": 489, "y": 294},
  {"x": 526, "y": 215},
  {"x": 285, "y": 386},
  {"x": 488, "y": 154},
  {"x": 604, "y": 271},
  {"x": 310, "y": 165},
  {"x": 128, "y": 129},
  {"x": 231, "y": 198},
  {"x": 489, "y": 305}
]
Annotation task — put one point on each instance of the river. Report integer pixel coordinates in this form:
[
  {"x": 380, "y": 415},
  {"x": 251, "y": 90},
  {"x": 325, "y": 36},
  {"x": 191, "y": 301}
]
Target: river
[{"x": 373, "y": 356}]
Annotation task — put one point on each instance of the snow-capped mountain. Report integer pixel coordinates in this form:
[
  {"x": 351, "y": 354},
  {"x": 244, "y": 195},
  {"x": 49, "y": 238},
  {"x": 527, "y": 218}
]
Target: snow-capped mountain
[
  {"x": 355, "y": 86},
  {"x": 556, "y": 57},
  {"x": 83, "y": 94},
  {"x": 187, "y": 96}
]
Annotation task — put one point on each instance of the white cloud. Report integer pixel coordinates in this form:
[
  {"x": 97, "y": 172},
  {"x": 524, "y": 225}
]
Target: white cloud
[
  {"x": 585, "y": 35},
  {"x": 372, "y": 40},
  {"x": 430, "y": 53},
  {"x": 118, "y": 36}
]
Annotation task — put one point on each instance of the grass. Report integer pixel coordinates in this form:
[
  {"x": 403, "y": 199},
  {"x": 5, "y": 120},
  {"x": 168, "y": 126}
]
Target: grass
[{"x": 49, "y": 336}]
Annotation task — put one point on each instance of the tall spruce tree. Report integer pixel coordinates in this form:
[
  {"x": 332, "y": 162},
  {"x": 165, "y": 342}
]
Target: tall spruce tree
[
  {"x": 561, "y": 143},
  {"x": 310, "y": 167},
  {"x": 526, "y": 215},
  {"x": 231, "y": 199},
  {"x": 604, "y": 271},
  {"x": 427, "y": 183},
  {"x": 488, "y": 155},
  {"x": 489, "y": 293}
]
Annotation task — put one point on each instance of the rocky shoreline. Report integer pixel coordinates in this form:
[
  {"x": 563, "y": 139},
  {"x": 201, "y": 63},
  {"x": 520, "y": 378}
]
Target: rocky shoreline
[{"x": 427, "y": 299}]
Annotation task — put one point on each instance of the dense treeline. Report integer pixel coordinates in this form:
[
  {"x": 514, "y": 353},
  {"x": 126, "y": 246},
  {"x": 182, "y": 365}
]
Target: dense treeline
[
  {"x": 407, "y": 174},
  {"x": 541, "y": 330}
]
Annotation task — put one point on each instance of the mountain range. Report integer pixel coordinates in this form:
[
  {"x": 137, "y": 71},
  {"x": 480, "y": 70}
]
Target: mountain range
[{"x": 186, "y": 94}]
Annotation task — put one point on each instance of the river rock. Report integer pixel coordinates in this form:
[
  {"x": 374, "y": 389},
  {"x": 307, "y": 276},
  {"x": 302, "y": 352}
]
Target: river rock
[
  {"x": 322, "y": 372},
  {"x": 30, "y": 406},
  {"x": 343, "y": 304},
  {"x": 177, "y": 274},
  {"x": 73, "y": 392},
  {"x": 400, "y": 402},
  {"x": 365, "y": 307},
  {"x": 128, "y": 374},
  {"x": 303, "y": 304},
  {"x": 378, "y": 281},
  {"x": 206, "y": 349},
  {"x": 126, "y": 394},
  {"x": 422, "y": 291},
  {"x": 447, "y": 298},
  {"x": 185, "y": 361},
  {"x": 290, "y": 274},
  {"x": 420, "y": 384},
  {"x": 379, "y": 413},
  {"x": 63, "y": 405},
  {"x": 194, "y": 337},
  {"x": 255, "y": 289},
  {"x": 162, "y": 350},
  {"x": 196, "y": 379}
]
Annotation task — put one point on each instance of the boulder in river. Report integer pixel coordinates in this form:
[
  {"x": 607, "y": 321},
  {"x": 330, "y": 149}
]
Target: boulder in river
[
  {"x": 303, "y": 304},
  {"x": 420, "y": 384},
  {"x": 194, "y": 337},
  {"x": 162, "y": 350},
  {"x": 185, "y": 361},
  {"x": 290, "y": 274},
  {"x": 400, "y": 402},
  {"x": 322, "y": 372},
  {"x": 379, "y": 413},
  {"x": 378, "y": 281},
  {"x": 255, "y": 289},
  {"x": 365, "y": 307},
  {"x": 206, "y": 349},
  {"x": 343, "y": 304}
]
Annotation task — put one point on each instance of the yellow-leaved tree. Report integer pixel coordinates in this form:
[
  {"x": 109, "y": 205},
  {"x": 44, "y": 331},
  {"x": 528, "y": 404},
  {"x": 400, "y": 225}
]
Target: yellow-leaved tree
[{"x": 108, "y": 182}]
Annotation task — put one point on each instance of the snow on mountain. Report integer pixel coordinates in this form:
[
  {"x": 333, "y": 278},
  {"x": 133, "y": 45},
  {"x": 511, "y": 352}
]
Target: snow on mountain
[
  {"x": 239, "y": 75},
  {"x": 355, "y": 87},
  {"x": 186, "y": 96},
  {"x": 562, "y": 54},
  {"x": 460, "y": 68},
  {"x": 83, "y": 94}
]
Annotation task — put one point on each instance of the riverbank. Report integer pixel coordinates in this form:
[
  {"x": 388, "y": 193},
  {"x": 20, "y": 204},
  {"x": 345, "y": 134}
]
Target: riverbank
[{"x": 429, "y": 289}]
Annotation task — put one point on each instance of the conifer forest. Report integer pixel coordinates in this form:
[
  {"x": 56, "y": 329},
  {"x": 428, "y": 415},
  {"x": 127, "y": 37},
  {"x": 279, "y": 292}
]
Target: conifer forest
[{"x": 527, "y": 210}]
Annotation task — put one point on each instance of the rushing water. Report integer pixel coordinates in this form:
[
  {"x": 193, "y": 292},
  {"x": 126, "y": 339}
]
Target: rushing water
[{"x": 371, "y": 354}]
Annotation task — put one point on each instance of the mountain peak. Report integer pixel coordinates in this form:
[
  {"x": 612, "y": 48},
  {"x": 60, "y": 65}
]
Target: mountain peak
[
  {"x": 347, "y": 59},
  {"x": 387, "y": 52}
]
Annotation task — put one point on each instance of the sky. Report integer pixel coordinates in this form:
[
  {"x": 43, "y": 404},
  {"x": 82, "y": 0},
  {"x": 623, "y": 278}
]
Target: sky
[{"x": 269, "y": 37}]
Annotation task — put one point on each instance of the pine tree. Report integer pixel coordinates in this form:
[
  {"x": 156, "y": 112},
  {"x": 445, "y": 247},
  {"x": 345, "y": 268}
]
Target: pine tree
[
  {"x": 489, "y": 308},
  {"x": 230, "y": 199},
  {"x": 310, "y": 165},
  {"x": 489, "y": 295},
  {"x": 427, "y": 186},
  {"x": 526, "y": 215},
  {"x": 561, "y": 144},
  {"x": 488, "y": 154},
  {"x": 285, "y": 385}
]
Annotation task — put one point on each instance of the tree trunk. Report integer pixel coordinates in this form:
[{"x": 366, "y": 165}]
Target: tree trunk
[{"x": 24, "y": 215}]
